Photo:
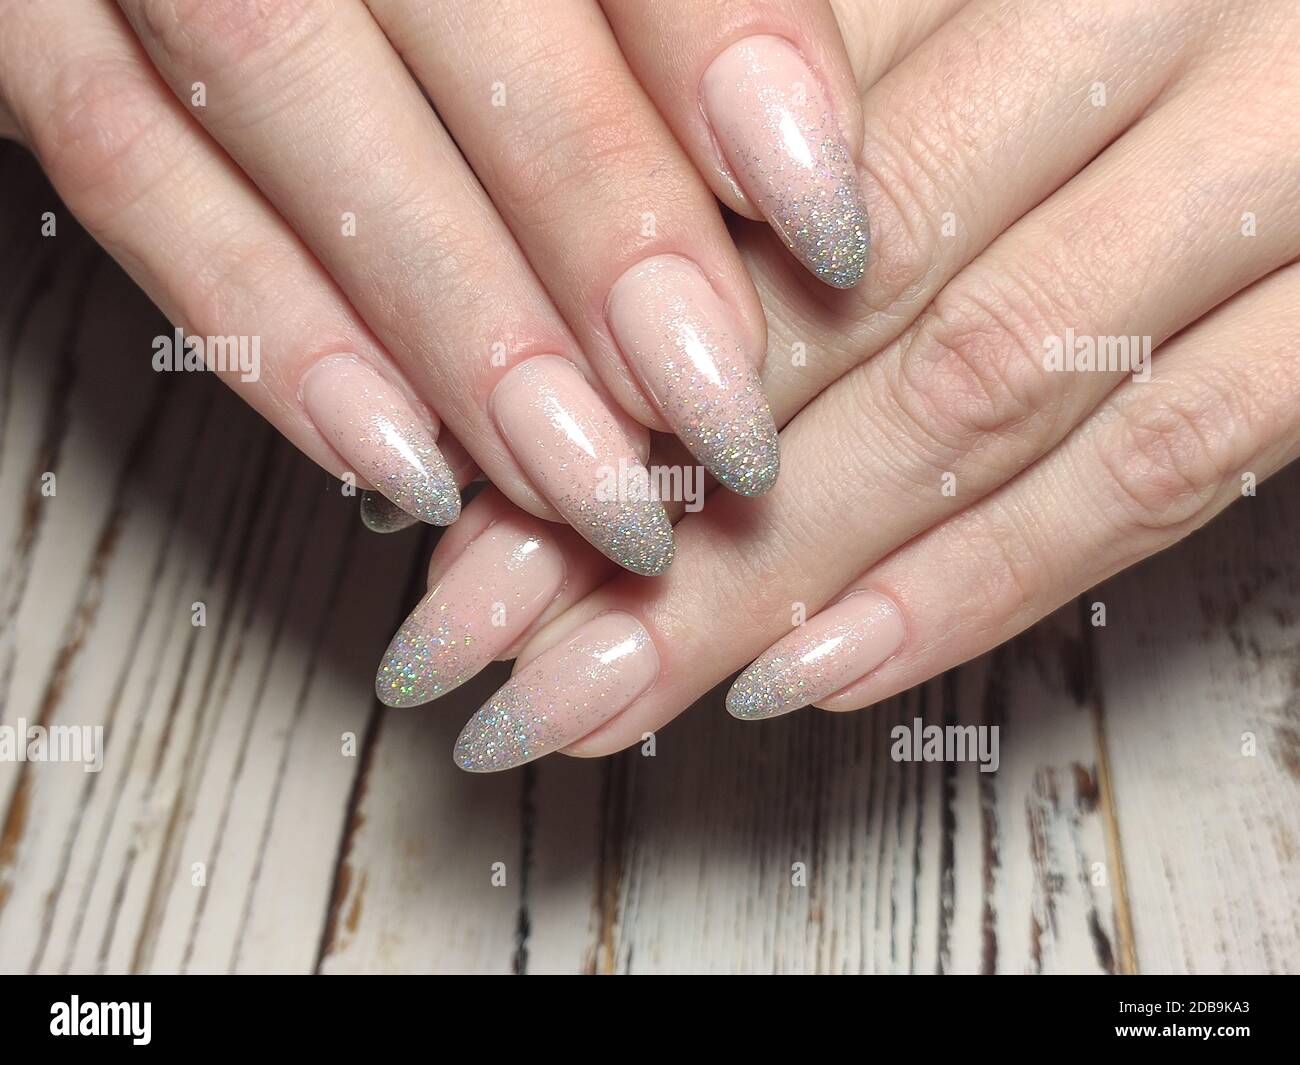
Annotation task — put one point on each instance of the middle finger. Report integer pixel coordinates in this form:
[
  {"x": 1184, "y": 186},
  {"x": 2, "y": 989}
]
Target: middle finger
[
  {"x": 609, "y": 211},
  {"x": 314, "y": 104}
]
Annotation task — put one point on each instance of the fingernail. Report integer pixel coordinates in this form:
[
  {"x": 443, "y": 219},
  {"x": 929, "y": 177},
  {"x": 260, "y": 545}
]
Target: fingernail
[
  {"x": 573, "y": 450},
  {"x": 778, "y": 133},
  {"x": 562, "y": 695},
  {"x": 679, "y": 339},
  {"x": 828, "y": 651},
  {"x": 498, "y": 586},
  {"x": 381, "y": 516},
  {"x": 370, "y": 423}
]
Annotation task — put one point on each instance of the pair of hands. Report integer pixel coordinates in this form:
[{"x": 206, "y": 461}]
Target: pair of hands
[{"x": 1044, "y": 182}]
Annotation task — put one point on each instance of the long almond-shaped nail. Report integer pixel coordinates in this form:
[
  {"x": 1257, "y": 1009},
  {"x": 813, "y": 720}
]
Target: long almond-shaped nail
[
  {"x": 776, "y": 129},
  {"x": 563, "y": 694},
  {"x": 679, "y": 339},
  {"x": 498, "y": 586},
  {"x": 576, "y": 454},
  {"x": 381, "y": 516},
  {"x": 370, "y": 423},
  {"x": 828, "y": 651}
]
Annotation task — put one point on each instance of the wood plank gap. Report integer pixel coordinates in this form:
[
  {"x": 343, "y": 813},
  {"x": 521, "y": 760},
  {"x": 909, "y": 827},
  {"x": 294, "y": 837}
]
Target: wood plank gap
[
  {"x": 527, "y": 828},
  {"x": 609, "y": 863},
  {"x": 1127, "y": 947}
]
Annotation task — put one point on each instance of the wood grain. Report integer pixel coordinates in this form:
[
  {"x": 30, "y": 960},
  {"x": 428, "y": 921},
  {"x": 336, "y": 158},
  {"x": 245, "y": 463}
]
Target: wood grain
[{"x": 257, "y": 811}]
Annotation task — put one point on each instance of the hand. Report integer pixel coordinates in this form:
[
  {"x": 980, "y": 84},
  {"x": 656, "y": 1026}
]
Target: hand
[
  {"x": 961, "y": 481},
  {"x": 380, "y": 262}
]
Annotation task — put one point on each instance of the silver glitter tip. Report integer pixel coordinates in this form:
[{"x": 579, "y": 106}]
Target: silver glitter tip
[
  {"x": 657, "y": 555},
  {"x": 836, "y": 247},
  {"x": 757, "y": 694},
  {"x": 438, "y": 503},
  {"x": 754, "y": 468},
  {"x": 635, "y": 534},
  {"x": 401, "y": 680}
]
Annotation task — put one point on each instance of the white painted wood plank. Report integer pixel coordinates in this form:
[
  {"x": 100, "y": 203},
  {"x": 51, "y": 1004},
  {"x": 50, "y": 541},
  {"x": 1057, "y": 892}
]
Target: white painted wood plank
[
  {"x": 416, "y": 890},
  {"x": 290, "y": 900},
  {"x": 1202, "y": 647},
  {"x": 569, "y": 872},
  {"x": 233, "y": 724}
]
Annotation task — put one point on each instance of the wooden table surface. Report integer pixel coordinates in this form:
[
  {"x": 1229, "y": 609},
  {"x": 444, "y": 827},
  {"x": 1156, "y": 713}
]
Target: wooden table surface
[{"x": 258, "y": 811}]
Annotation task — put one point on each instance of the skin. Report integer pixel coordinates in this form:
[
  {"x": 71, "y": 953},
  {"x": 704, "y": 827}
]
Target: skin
[
  {"x": 1119, "y": 219},
  {"x": 473, "y": 247},
  {"x": 1007, "y": 206}
]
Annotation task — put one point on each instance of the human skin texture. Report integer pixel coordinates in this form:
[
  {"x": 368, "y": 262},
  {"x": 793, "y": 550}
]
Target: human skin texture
[
  {"x": 406, "y": 204},
  {"x": 951, "y": 465}
]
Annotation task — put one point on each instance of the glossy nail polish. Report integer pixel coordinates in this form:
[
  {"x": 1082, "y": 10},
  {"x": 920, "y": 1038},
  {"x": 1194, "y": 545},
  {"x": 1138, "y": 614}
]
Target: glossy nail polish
[
  {"x": 679, "y": 339},
  {"x": 560, "y": 696},
  {"x": 370, "y": 423},
  {"x": 776, "y": 130},
  {"x": 380, "y": 516},
  {"x": 576, "y": 454},
  {"x": 828, "y": 651},
  {"x": 498, "y": 586}
]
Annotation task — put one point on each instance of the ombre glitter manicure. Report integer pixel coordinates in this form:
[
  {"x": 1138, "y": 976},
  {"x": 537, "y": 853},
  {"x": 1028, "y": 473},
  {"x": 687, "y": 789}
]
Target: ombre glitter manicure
[
  {"x": 370, "y": 423},
  {"x": 380, "y": 516},
  {"x": 487, "y": 598},
  {"x": 679, "y": 339},
  {"x": 827, "y": 652},
  {"x": 777, "y": 131},
  {"x": 576, "y": 454},
  {"x": 562, "y": 695}
]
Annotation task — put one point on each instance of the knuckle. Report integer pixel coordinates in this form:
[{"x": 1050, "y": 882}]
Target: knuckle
[
  {"x": 576, "y": 136},
  {"x": 971, "y": 374},
  {"x": 1008, "y": 581},
  {"x": 95, "y": 142},
  {"x": 904, "y": 196},
  {"x": 1168, "y": 452},
  {"x": 219, "y": 290},
  {"x": 224, "y": 33},
  {"x": 584, "y": 153}
]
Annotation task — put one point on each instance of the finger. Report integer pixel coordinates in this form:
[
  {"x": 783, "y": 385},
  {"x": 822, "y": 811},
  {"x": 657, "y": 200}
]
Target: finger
[
  {"x": 763, "y": 98},
  {"x": 494, "y": 578},
  {"x": 878, "y": 34},
  {"x": 985, "y": 119},
  {"x": 936, "y": 422},
  {"x": 313, "y": 103},
  {"x": 609, "y": 212},
  {"x": 1158, "y": 461},
  {"x": 465, "y": 621},
  {"x": 380, "y": 515},
  {"x": 161, "y": 197}
]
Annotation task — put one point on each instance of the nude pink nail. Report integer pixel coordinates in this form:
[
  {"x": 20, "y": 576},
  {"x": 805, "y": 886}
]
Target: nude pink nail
[
  {"x": 828, "y": 651},
  {"x": 372, "y": 426},
  {"x": 487, "y": 598},
  {"x": 562, "y": 695},
  {"x": 776, "y": 129},
  {"x": 680, "y": 340},
  {"x": 576, "y": 454}
]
